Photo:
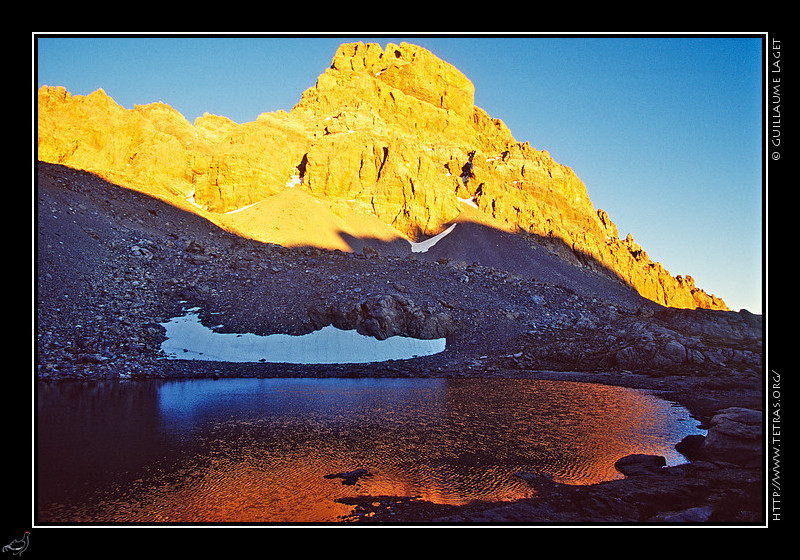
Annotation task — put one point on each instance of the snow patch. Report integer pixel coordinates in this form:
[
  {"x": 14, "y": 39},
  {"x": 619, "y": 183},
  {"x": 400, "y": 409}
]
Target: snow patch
[
  {"x": 294, "y": 181},
  {"x": 190, "y": 198},
  {"x": 470, "y": 201},
  {"x": 235, "y": 210},
  {"x": 423, "y": 246},
  {"x": 188, "y": 339}
]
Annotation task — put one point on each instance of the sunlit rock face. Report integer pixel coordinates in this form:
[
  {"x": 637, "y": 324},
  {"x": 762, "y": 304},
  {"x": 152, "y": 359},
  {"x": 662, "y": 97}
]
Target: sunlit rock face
[{"x": 388, "y": 137}]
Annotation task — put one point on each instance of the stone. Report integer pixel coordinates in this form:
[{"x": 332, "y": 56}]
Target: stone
[
  {"x": 142, "y": 252},
  {"x": 735, "y": 435},
  {"x": 674, "y": 351},
  {"x": 195, "y": 248},
  {"x": 691, "y": 446},
  {"x": 640, "y": 464},
  {"x": 699, "y": 514}
]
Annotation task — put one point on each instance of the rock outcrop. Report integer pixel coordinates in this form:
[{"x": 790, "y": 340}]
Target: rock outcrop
[
  {"x": 388, "y": 133},
  {"x": 385, "y": 316},
  {"x": 735, "y": 435}
]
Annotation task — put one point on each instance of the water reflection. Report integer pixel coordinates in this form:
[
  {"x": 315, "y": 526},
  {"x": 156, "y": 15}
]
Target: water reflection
[{"x": 257, "y": 450}]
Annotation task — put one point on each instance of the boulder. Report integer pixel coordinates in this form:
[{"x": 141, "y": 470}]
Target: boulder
[
  {"x": 691, "y": 446},
  {"x": 640, "y": 464},
  {"x": 674, "y": 351},
  {"x": 735, "y": 436}
]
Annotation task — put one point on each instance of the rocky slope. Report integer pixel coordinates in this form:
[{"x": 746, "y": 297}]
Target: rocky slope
[
  {"x": 388, "y": 142},
  {"x": 117, "y": 262}
]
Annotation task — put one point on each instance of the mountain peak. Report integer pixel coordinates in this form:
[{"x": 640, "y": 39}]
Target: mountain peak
[
  {"x": 391, "y": 135},
  {"x": 413, "y": 70}
]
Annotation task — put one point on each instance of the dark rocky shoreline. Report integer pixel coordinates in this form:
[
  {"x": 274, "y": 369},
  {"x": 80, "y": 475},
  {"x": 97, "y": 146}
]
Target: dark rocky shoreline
[{"x": 112, "y": 264}]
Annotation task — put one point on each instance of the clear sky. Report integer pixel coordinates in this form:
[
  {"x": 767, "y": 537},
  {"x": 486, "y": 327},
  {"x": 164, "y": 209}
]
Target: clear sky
[{"x": 666, "y": 132}]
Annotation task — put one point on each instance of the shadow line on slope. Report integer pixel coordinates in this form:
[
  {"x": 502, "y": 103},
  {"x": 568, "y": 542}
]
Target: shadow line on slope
[
  {"x": 470, "y": 242},
  {"x": 534, "y": 258}
]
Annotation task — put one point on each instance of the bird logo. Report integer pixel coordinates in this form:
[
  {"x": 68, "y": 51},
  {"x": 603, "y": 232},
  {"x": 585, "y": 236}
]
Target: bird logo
[{"x": 18, "y": 546}]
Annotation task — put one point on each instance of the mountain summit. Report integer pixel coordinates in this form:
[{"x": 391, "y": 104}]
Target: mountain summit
[{"x": 387, "y": 149}]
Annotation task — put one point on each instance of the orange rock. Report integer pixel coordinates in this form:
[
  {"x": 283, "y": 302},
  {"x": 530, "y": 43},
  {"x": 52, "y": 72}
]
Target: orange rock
[{"x": 390, "y": 132}]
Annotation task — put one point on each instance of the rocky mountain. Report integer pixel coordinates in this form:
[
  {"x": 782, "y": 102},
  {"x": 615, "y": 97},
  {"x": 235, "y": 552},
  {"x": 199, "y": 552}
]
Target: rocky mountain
[{"x": 385, "y": 151}]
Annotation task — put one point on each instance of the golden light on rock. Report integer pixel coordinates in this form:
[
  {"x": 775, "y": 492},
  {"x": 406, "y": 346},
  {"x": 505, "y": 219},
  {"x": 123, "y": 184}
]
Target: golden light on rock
[{"x": 387, "y": 144}]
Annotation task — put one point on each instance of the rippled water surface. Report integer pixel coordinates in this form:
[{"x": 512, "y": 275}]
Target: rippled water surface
[{"x": 258, "y": 450}]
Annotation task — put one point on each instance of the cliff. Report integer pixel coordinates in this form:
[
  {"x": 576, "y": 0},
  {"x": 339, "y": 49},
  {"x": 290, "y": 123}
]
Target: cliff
[{"x": 387, "y": 144}]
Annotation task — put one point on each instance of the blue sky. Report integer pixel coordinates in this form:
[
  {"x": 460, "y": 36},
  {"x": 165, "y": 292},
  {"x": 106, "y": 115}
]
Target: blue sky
[{"x": 666, "y": 132}]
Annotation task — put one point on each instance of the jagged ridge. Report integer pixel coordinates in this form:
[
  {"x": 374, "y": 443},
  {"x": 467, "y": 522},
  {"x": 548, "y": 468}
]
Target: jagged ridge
[{"x": 390, "y": 133}]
